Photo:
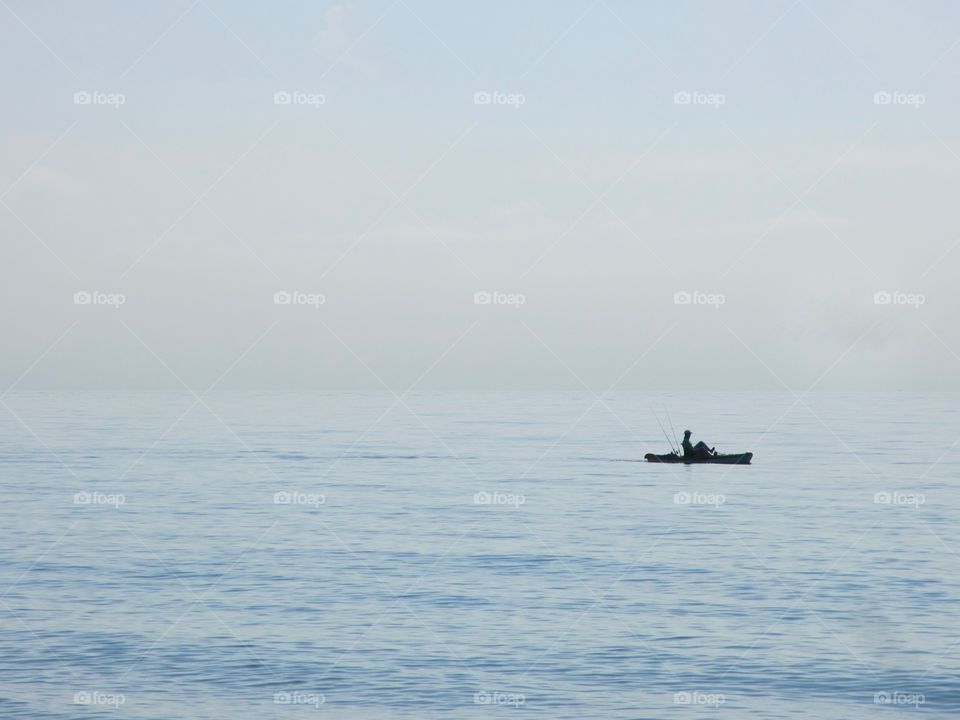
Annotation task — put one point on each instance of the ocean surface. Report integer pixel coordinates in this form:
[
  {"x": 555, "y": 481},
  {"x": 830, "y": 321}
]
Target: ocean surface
[{"x": 477, "y": 555}]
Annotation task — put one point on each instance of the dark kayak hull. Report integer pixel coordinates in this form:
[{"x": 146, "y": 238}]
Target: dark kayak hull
[{"x": 735, "y": 459}]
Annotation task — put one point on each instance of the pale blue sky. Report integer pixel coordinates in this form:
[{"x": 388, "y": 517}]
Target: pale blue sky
[{"x": 598, "y": 198}]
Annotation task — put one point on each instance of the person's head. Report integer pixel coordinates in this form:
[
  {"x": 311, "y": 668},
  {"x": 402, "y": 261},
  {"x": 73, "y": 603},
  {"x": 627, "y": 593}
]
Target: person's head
[{"x": 687, "y": 434}]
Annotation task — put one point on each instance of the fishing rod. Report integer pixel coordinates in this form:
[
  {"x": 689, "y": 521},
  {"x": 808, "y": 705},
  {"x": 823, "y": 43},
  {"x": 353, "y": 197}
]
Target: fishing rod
[
  {"x": 676, "y": 439},
  {"x": 664, "y": 431}
]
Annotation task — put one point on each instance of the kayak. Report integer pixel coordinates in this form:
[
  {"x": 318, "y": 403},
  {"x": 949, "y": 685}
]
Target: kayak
[{"x": 735, "y": 459}]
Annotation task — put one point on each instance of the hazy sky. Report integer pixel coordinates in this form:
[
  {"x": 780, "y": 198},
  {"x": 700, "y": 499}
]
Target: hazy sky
[{"x": 629, "y": 151}]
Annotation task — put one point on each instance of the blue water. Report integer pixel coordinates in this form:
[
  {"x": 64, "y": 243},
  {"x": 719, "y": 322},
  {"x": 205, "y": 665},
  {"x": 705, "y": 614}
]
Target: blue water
[{"x": 585, "y": 588}]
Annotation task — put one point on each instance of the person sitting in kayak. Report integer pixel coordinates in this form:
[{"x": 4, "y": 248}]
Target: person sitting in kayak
[{"x": 695, "y": 452}]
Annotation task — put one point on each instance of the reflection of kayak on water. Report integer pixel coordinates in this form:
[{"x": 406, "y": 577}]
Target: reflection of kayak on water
[{"x": 735, "y": 459}]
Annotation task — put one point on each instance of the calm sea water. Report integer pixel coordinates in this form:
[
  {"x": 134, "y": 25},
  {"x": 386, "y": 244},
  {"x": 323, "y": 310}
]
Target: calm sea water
[{"x": 473, "y": 556}]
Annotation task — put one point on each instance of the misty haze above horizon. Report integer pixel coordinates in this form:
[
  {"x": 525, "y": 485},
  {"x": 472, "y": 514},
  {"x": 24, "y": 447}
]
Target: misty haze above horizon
[{"x": 652, "y": 196}]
